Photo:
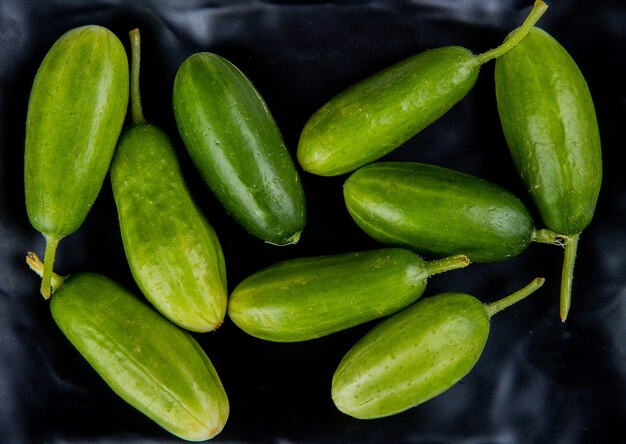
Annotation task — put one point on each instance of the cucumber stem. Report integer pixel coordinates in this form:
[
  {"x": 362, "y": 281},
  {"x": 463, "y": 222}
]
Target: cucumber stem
[
  {"x": 39, "y": 267},
  {"x": 446, "y": 264},
  {"x": 135, "y": 96},
  {"x": 520, "y": 294},
  {"x": 516, "y": 35},
  {"x": 571, "y": 246},
  {"x": 545, "y": 236},
  {"x": 52, "y": 243}
]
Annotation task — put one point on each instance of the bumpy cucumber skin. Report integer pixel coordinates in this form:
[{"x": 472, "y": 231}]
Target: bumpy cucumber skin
[
  {"x": 150, "y": 363},
  {"x": 306, "y": 298},
  {"x": 549, "y": 122},
  {"x": 76, "y": 111},
  {"x": 437, "y": 212},
  {"x": 238, "y": 149},
  {"x": 411, "y": 357},
  {"x": 173, "y": 252},
  {"x": 378, "y": 114}
]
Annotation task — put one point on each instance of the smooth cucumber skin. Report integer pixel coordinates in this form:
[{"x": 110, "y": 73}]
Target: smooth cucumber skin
[
  {"x": 437, "y": 212},
  {"x": 75, "y": 115},
  {"x": 173, "y": 252},
  {"x": 306, "y": 298},
  {"x": 238, "y": 149},
  {"x": 378, "y": 114},
  {"x": 411, "y": 357},
  {"x": 149, "y": 362},
  {"x": 550, "y": 125}
]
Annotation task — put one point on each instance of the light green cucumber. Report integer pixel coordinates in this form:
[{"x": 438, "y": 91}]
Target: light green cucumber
[
  {"x": 173, "y": 252},
  {"x": 150, "y": 363},
  {"x": 550, "y": 125},
  {"x": 306, "y": 298},
  {"x": 75, "y": 114},
  {"x": 438, "y": 212},
  {"x": 416, "y": 354},
  {"x": 378, "y": 114},
  {"x": 238, "y": 149}
]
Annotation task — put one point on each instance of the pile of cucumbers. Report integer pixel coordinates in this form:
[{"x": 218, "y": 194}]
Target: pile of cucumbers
[{"x": 427, "y": 218}]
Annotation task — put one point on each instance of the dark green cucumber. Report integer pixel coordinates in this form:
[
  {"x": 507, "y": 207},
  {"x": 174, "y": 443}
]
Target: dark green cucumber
[
  {"x": 238, "y": 148},
  {"x": 306, "y": 298},
  {"x": 437, "y": 212},
  {"x": 150, "y": 363},
  {"x": 416, "y": 354},
  {"x": 75, "y": 115},
  {"x": 378, "y": 114},
  {"x": 550, "y": 126},
  {"x": 173, "y": 252}
]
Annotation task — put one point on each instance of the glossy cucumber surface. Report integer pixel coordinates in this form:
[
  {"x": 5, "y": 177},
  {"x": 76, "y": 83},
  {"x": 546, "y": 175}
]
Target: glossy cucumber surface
[
  {"x": 173, "y": 252},
  {"x": 550, "y": 125},
  {"x": 238, "y": 148},
  {"x": 412, "y": 356},
  {"x": 149, "y": 362},
  {"x": 437, "y": 211},
  {"x": 307, "y": 298}
]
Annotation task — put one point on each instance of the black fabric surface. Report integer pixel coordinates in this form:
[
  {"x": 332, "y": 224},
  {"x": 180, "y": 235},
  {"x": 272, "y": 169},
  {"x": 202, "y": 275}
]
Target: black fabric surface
[{"x": 538, "y": 381}]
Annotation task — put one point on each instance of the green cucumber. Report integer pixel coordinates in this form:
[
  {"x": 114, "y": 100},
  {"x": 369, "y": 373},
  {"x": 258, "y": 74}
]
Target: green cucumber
[
  {"x": 437, "y": 212},
  {"x": 238, "y": 149},
  {"x": 306, "y": 298},
  {"x": 76, "y": 111},
  {"x": 150, "y": 363},
  {"x": 173, "y": 252},
  {"x": 550, "y": 125},
  {"x": 378, "y": 114},
  {"x": 416, "y": 354}
]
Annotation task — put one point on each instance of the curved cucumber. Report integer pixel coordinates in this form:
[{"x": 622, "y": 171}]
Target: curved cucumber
[
  {"x": 173, "y": 252},
  {"x": 416, "y": 354},
  {"x": 75, "y": 115},
  {"x": 378, "y": 114},
  {"x": 437, "y": 211},
  {"x": 238, "y": 149},
  {"x": 150, "y": 363},
  {"x": 550, "y": 125},
  {"x": 307, "y": 298}
]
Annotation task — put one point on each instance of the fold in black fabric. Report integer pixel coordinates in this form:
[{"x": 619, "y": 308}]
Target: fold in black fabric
[{"x": 538, "y": 380}]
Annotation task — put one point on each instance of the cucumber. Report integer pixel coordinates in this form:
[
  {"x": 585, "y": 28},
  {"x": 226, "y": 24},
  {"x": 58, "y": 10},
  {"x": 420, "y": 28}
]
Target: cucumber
[
  {"x": 75, "y": 115},
  {"x": 550, "y": 125},
  {"x": 150, "y": 363},
  {"x": 437, "y": 212},
  {"x": 416, "y": 354},
  {"x": 306, "y": 298},
  {"x": 238, "y": 149},
  {"x": 378, "y": 114},
  {"x": 173, "y": 252}
]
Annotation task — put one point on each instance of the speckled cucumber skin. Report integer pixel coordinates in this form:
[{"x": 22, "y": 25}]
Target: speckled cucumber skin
[
  {"x": 437, "y": 211},
  {"x": 75, "y": 115},
  {"x": 550, "y": 126},
  {"x": 378, "y": 114},
  {"x": 238, "y": 149},
  {"x": 412, "y": 356},
  {"x": 173, "y": 252},
  {"x": 306, "y": 298},
  {"x": 150, "y": 363}
]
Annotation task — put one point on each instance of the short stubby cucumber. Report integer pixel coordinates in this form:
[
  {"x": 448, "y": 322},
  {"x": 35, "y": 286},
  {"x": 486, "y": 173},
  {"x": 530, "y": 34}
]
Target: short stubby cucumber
[
  {"x": 437, "y": 212},
  {"x": 550, "y": 125},
  {"x": 416, "y": 354},
  {"x": 149, "y": 362},
  {"x": 306, "y": 298},
  {"x": 378, "y": 114},
  {"x": 238, "y": 149},
  {"x": 76, "y": 111},
  {"x": 173, "y": 252}
]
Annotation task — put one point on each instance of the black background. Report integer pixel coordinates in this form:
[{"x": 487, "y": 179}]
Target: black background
[{"x": 538, "y": 381}]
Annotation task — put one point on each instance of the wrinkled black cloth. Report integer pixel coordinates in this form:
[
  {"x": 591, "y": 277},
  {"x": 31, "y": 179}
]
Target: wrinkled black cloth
[{"x": 538, "y": 381}]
